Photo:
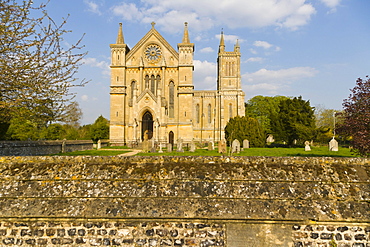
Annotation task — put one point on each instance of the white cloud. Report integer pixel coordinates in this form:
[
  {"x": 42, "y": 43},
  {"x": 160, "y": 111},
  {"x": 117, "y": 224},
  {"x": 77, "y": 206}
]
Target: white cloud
[
  {"x": 206, "y": 50},
  {"x": 275, "y": 81},
  {"x": 205, "y": 75},
  {"x": 255, "y": 59},
  {"x": 331, "y": 3},
  {"x": 85, "y": 97},
  {"x": 204, "y": 14},
  {"x": 262, "y": 44},
  {"x": 93, "y": 62},
  {"x": 93, "y": 7}
]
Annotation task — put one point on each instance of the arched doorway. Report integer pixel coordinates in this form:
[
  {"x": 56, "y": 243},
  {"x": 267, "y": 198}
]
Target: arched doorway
[
  {"x": 171, "y": 137},
  {"x": 147, "y": 126}
]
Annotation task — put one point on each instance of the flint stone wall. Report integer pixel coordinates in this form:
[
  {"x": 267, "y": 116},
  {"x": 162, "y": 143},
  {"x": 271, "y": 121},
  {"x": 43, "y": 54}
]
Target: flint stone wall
[
  {"x": 184, "y": 201},
  {"x": 34, "y": 148}
]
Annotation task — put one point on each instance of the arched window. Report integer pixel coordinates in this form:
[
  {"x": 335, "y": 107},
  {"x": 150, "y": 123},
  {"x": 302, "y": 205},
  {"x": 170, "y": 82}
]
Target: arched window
[
  {"x": 157, "y": 83},
  {"x": 171, "y": 97},
  {"x": 133, "y": 86},
  {"x": 146, "y": 81},
  {"x": 152, "y": 84},
  {"x": 197, "y": 112},
  {"x": 230, "y": 110},
  {"x": 209, "y": 113}
]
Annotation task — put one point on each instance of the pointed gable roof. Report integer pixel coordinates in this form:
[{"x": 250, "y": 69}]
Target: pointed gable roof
[{"x": 159, "y": 37}]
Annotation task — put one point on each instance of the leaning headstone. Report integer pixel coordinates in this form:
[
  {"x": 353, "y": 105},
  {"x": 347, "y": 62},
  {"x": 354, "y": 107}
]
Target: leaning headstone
[
  {"x": 333, "y": 145},
  {"x": 235, "y": 146},
  {"x": 169, "y": 147},
  {"x": 160, "y": 148},
  {"x": 307, "y": 146},
  {"x": 193, "y": 147},
  {"x": 245, "y": 144},
  {"x": 270, "y": 139},
  {"x": 222, "y": 146},
  {"x": 211, "y": 146},
  {"x": 180, "y": 147}
]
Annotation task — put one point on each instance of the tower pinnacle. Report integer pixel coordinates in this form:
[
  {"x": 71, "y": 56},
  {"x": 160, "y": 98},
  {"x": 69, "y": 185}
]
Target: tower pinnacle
[
  {"x": 222, "y": 42},
  {"x": 185, "y": 38},
  {"x": 120, "y": 39}
]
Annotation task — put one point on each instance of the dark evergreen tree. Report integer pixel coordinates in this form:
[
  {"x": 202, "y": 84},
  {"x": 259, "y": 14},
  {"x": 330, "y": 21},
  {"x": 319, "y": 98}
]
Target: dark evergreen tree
[
  {"x": 295, "y": 121},
  {"x": 245, "y": 128}
]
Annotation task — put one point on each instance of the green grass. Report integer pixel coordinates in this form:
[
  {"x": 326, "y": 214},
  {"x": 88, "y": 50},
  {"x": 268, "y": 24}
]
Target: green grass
[
  {"x": 272, "y": 152},
  {"x": 116, "y": 147},
  {"x": 93, "y": 153}
]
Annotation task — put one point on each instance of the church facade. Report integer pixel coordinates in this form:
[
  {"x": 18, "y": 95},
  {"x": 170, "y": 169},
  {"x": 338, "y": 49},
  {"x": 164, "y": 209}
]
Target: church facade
[{"x": 152, "y": 92}]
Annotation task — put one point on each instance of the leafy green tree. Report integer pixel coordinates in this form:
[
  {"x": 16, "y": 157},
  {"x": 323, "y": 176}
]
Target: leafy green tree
[
  {"x": 22, "y": 130},
  {"x": 356, "y": 116},
  {"x": 99, "y": 129},
  {"x": 245, "y": 128},
  {"x": 325, "y": 121},
  {"x": 265, "y": 109},
  {"x": 53, "y": 132},
  {"x": 36, "y": 70},
  {"x": 295, "y": 121}
]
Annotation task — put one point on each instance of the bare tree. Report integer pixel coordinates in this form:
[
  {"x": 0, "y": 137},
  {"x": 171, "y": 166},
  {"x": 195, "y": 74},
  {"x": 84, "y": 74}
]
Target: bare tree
[{"x": 36, "y": 70}]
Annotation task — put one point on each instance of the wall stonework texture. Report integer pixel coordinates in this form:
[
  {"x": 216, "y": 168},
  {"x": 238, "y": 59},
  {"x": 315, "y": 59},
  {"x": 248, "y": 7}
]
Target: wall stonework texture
[{"x": 184, "y": 201}]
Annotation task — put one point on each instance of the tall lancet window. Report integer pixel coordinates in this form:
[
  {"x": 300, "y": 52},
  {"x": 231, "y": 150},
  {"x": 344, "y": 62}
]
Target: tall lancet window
[
  {"x": 209, "y": 113},
  {"x": 152, "y": 84},
  {"x": 146, "y": 81},
  {"x": 171, "y": 107},
  {"x": 230, "y": 110},
  {"x": 157, "y": 83},
  {"x": 133, "y": 86},
  {"x": 197, "y": 113}
]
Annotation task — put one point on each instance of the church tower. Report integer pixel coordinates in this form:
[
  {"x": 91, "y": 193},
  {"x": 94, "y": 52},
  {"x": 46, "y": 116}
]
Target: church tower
[{"x": 118, "y": 111}]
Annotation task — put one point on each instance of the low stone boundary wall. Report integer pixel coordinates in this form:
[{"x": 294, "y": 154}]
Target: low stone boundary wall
[
  {"x": 35, "y": 148},
  {"x": 184, "y": 201}
]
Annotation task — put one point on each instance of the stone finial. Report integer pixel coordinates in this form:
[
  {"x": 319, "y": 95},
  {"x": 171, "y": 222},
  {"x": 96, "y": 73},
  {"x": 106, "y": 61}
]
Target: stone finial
[
  {"x": 222, "y": 41},
  {"x": 153, "y": 24},
  {"x": 120, "y": 39}
]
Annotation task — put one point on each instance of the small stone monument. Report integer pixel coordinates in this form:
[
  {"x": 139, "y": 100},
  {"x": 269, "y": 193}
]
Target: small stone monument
[
  {"x": 222, "y": 146},
  {"x": 169, "y": 147},
  {"x": 307, "y": 146},
  {"x": 245, "y": 144},
  {"x": 99, "y": 144},
  {"x": 211, "y": 146},
  {"x": 146, "y": 146},
  {"x": 160, "y": 148},
  {"x": 193, "y": 147},
  {"x": 235, "y": 146},
  {"x": 180, "y": 147},
  {"x": 333, "y": 145}
]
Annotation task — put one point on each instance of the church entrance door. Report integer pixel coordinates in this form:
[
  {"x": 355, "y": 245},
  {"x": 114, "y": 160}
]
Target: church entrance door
[
  {"x": 147, "y": 126},
  {"x": 171, "y": 137}
]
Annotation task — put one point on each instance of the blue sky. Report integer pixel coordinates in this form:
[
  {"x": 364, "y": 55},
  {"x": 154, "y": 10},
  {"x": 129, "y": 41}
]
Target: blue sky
[{"x": 312, "y": 48}]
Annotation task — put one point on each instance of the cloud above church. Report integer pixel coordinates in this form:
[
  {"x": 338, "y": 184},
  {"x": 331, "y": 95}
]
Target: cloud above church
[
  {"x": 274, "y": 82},
  {"x": 205, "y": 14}
]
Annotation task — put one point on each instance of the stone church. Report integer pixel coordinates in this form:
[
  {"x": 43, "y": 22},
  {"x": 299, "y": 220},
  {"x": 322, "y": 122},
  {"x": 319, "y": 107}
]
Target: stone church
[{"x": 152, "y": 92}]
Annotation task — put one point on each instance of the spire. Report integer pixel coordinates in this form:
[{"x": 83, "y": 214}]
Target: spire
[
  {"x": 237, "y": 46},
  {"x": 222, "y": 42},
  {"x": 185, "y": 38},
  {"x": 120, "y": 39}
]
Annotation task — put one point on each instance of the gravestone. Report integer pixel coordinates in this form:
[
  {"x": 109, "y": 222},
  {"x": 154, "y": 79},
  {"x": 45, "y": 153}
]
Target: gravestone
[
  {"x": 222, "y": 146},
  {"x": 146, "y": 146},
  {"x": 160, "y": 148},
  {"x": 333, "y": 145},
  {"x": 211, "y": 146},
  {"x": 169, "y": 147},
  {"x": 235, "y": 146},
  {"x": 307, "y": 146},
  {"x": 99, "y": 144},
  {"x": 180, "y": 147},
  {"x": 270, "y": 139},
  {"x": 192, "y": 146},
  {"x": 245, "y": 144}
]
